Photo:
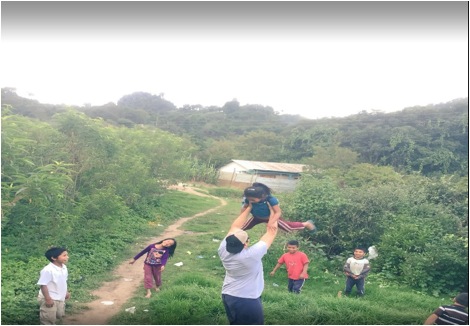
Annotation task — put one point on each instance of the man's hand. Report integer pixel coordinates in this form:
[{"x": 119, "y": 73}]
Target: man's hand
[
  {"x": 271, "y": 230},
  {"x": 272, "y": 224}
]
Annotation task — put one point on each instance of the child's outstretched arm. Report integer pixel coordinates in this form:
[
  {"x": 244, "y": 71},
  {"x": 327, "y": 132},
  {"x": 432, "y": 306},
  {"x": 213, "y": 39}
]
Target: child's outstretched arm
[
  {"x": 140, "y": 254},
  {"x": 275, "y": 214},
  {"x": 275, "y": 269}
]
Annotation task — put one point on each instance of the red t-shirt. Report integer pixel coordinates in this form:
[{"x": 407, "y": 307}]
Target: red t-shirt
[{"x": 294, "y": 264}]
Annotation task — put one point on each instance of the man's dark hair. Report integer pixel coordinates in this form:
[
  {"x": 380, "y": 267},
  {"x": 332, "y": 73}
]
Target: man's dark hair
[
  {"x": 462, "y": 298},
  {"x": 234, "y": 246},
  {"x": 54, "y": 252}
]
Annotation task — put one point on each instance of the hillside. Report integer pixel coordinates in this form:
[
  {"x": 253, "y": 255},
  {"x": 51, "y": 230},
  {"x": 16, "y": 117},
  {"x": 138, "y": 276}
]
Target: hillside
[{"x": 432, "y": 140}]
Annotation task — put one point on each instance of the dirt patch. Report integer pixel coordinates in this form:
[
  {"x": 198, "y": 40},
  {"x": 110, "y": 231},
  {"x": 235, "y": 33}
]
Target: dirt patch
[{"x": 128, "y": 278}]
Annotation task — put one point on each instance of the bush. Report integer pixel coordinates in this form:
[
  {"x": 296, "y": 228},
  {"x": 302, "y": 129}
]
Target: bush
[{"x": 416, "y": 225}]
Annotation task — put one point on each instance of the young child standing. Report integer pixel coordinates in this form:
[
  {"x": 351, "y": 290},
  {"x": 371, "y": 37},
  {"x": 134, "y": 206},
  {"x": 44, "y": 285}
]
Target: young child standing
[
  {"x": 258, "y": 195},
  {"x": 455, "y": 314},
  {"x": 356, "y": 270},
  {"x": 157, "y": 256},
  {"x": 53, "y": 286},
  {"x": 296, "y": 265}
]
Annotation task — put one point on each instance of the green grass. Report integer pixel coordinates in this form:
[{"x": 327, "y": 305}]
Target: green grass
[
  {"x": 191, "y": 293},
  {"x": 178, "y": 204}
]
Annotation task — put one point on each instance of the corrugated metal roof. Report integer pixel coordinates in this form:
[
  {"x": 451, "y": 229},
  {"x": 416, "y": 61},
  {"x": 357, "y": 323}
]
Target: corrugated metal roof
[{"x": 271, "y": 166}]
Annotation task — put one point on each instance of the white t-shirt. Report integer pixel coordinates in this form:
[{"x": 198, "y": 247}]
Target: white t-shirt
[
  {"x": 357, "y": 265},
  {"x": 55, "y": 278},
  {"x": 243, "y": 271}
]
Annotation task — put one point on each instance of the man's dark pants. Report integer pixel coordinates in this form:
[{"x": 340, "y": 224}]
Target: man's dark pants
[{"x": 243, "y": 311}]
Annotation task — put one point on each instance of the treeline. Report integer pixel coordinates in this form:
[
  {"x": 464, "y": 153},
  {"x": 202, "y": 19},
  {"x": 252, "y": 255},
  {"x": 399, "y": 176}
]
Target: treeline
[{"x": 431, "y": 140}]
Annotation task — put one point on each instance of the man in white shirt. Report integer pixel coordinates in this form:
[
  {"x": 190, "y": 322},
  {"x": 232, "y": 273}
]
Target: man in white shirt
[{"x": 244, "y": 280}]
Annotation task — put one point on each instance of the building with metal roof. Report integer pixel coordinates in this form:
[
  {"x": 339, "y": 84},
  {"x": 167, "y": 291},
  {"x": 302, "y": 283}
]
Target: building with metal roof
[{"x": 280, "y": 177}]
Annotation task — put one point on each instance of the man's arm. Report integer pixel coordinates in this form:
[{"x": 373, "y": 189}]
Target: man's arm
[
  {"x": 271, "y": 229},
  {"x": 239, "y": 221},
  {"x": 431, "y": 319},
  {"x": 244, "y": 206}
]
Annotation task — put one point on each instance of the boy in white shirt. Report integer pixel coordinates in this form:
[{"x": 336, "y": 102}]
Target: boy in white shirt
[
  {"x": 356, "y": 270},
  {"x": 53, "y": 287}
]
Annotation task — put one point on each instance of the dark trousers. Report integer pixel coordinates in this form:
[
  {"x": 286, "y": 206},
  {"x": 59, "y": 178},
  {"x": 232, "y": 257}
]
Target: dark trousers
[
  {"x": 243, "y": 311},
  {"x": 295, "y": 285},
  {"x": 360, "y": 285}
]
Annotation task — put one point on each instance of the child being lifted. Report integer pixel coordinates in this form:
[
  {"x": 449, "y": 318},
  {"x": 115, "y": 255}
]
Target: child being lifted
[{"x": 258, "y": 195}]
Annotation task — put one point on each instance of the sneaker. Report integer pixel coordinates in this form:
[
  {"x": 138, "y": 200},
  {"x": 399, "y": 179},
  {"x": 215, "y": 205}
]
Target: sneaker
[{"x": 314, "y": 227}]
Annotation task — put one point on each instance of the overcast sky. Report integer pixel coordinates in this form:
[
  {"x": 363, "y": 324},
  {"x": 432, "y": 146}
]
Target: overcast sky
[{"x": 316, "y": 59}]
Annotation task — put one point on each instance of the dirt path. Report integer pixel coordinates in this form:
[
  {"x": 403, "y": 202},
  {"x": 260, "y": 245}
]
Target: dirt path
[{"x": 128, "y": 278}]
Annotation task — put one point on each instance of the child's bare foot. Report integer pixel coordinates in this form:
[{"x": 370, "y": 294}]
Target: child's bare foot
[
  {"x": 340, "y": 294},
  {"x": 309, "y": 225},
  {"x": 149, "y": 294},
  {"x": 157, "y": 289}
]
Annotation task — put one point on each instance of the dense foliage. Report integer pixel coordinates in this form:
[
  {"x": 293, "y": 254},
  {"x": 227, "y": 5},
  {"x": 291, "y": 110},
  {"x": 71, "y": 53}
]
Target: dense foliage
[
  {"x": 77, "y": 182},
  {"x": 418, "y": 224},
  {"x": 432, "y": 140}
]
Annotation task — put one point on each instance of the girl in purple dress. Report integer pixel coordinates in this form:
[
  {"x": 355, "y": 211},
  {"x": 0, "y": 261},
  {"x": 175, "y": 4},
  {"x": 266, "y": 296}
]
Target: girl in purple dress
[{"x": 157, "y": 256}]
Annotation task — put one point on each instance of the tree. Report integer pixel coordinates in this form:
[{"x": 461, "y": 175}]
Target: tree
[
  {"x": 329, "y": 157},
  {"x": 146, "y": 101}
]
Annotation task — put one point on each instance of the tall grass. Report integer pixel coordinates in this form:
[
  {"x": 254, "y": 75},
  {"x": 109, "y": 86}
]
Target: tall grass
[{"x": 191, "y": 294}]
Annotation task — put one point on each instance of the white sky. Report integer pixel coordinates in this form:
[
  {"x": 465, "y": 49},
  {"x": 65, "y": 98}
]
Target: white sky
[{"x": 295, "y": 72}]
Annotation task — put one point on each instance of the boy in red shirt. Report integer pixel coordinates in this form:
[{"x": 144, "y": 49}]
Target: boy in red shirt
[{"x": 296, "y": 265}]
